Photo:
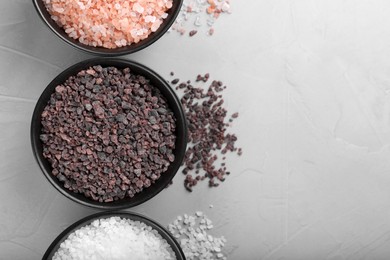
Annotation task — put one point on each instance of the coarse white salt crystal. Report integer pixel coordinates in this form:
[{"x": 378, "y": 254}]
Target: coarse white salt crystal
[
  {"x": 197, "y": 21},
  {"x": 225, "y": 7},
  {"x": 196, "y": 243},
  {"x": 115, "y": 238}
]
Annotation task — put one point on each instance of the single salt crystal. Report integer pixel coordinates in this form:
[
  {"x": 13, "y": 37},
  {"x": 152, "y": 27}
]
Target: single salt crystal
[
  {"x": 138, "y": 8},
  {"x": 197, "y": 21},
  {"x": 191, "y": 220},
  {"x": 155, "y": 26},
  {"x": 58, "y": 9},
  {"x": 210, "y": 22},
  {"x": 225, "y": 7},
  {"x": 150, "y": 19},
  {"x": 69, "y": 30},
  {"x": 140, "y": 32},
  {"x": 118, "y": 43},
  {"x": 133, "y": 32},
  {"x": 81, "y": 5}
]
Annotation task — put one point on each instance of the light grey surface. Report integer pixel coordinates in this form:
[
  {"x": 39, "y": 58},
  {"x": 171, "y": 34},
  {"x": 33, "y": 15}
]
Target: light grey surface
[{"x": 311, "y": 82}]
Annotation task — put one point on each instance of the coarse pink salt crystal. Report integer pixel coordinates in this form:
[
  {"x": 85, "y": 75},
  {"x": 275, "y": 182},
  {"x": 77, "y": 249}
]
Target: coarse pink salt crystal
[
  {"x": 138, "y": 8},
  {"x": 150, "y": 19},
  {"x": 155, "y": 25},
  {"x": 109, "y": 23}
]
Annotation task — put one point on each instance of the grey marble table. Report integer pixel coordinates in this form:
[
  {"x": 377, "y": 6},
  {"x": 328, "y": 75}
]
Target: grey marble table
[{"x": 311, "y": 82}]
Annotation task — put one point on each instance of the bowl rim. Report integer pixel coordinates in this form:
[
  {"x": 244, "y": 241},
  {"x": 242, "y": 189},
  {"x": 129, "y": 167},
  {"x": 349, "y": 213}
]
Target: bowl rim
[
  {"x": 35, "y": 131},
  {"x": 104, "y": 52},
  {"x": 129, "y": 215}
]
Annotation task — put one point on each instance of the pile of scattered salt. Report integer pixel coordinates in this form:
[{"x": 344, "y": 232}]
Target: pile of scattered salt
[
  {"x": 197, "y": 13},
  {"x": 109, "y": 23},
  {"x": 115, "y": 238},
  {"x": 197, "y": 244},
  {"x": 208, "y": 137}
]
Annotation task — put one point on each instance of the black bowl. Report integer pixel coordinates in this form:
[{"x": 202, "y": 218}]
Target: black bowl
[
  {"x": 60, "y": 32},
  {"x": 132, "y": 216},
  {"x": 173, "y": 102}
]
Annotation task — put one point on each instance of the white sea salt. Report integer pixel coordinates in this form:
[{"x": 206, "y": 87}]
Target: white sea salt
[
  {"x": 196, "y": 243},
  {"x": 115, "y": 238}
]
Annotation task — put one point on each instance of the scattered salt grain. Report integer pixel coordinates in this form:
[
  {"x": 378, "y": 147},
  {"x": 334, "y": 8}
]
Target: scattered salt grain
[
  {"x": 198, "y": 13},
  {"x": 208, "y": 125},
  {"x": 108, "y": 23},
  {"x": 115, "y": 238},
  {"x": 194, "y": 240}
]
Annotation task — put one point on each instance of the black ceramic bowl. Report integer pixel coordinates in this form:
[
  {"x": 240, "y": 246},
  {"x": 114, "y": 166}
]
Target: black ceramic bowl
[
  {"x": 60, "y": 32},
  {"x": 173, "y": 102},
  {"x": 132, "y": 216}
]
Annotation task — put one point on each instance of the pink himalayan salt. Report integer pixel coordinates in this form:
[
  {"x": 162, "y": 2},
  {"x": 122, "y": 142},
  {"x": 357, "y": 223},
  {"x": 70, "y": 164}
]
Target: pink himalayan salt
[{"x": 108, "y": 23}]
